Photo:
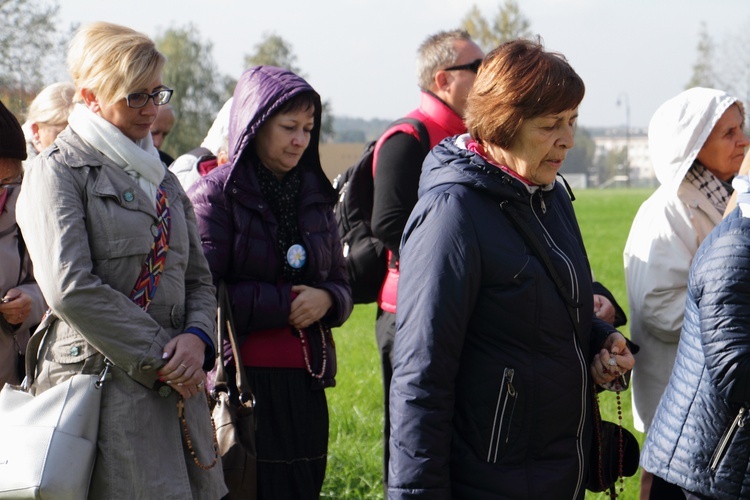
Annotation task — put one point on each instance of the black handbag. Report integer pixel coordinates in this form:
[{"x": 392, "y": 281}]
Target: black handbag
[{"x": 233, "y": 412}]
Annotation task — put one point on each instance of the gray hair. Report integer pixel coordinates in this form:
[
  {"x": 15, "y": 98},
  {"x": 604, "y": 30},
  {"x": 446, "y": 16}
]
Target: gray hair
[{"x": 435, "y": 53}]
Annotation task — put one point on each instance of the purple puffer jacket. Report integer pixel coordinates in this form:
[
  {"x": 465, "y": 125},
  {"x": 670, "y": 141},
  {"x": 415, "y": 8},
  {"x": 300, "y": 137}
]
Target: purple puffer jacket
[{"x": 238, "y": 229}]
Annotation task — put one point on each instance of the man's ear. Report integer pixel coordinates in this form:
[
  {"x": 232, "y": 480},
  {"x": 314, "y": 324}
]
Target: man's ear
[
  {"x": 442, "y": 86},
  {"x": 441, "y": 80}
]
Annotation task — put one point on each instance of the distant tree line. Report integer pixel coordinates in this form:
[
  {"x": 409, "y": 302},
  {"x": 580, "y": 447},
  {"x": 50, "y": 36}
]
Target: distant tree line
[{"x": 33, "y": 46}]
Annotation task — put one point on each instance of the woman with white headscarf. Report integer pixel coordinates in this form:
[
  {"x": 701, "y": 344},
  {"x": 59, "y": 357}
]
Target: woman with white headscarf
[{"x": 697, "y": 143}]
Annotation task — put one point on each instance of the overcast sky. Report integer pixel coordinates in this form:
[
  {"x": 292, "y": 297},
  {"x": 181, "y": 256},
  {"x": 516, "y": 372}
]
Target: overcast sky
[{"x": 359, "y": 54}]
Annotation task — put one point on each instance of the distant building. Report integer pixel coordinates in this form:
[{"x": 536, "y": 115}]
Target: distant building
[
  {"x": 610, "y": 140},
  {"x": 338, "y": 156}
]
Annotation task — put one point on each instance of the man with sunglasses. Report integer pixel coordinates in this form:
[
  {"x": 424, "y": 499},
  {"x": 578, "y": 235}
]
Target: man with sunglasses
[{"x": 447, "y": 63}]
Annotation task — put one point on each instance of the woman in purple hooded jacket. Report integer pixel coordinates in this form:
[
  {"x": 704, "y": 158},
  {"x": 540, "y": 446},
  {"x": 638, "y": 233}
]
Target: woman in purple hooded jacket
[{"x": 268, "y": 230}]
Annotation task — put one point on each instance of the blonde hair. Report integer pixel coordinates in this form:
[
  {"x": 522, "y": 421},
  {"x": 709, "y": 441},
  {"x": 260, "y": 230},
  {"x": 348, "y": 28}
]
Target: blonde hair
[
  {"x": 112, "y": 61},
  {"x": 52, "y": 105}
]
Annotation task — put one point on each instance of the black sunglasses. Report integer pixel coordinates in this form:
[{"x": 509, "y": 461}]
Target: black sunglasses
[{"x": 472, "y": 66}]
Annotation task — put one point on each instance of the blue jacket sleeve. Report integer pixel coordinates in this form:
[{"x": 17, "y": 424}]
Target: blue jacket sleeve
[
  {"x": 438, "y": 286},
  {"x": 721, "y": 284}
]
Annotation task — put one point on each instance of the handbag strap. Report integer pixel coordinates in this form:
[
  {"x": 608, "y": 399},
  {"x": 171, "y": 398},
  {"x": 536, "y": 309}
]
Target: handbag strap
[
  {"x": 536, "y": 245},
  {"x": 226, "y": 331},
  {"x": 148, "y": 280}
]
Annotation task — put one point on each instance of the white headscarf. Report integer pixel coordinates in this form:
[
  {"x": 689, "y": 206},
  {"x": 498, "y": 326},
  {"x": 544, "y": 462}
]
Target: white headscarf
[
  {"x": 680, "y": 127},
  {"x": 140, "y": 159},
  {"x": 217, "y": 137}
]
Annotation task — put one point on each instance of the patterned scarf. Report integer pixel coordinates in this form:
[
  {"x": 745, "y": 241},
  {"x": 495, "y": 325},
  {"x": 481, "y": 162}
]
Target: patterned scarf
[
  {"x": 712, "y": 187},
  {"x": 283, "y": 198},
  {"x": 148, "y": 281}
]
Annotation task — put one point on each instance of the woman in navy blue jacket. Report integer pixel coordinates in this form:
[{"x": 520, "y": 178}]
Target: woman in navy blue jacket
[
  {"x": 495, "y": 363},
  {"x": 267, "y": 228}
]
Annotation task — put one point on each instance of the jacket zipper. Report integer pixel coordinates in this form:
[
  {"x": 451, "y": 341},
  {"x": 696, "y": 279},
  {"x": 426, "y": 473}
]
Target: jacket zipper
[
  {"x": 507, "y": 394},
  {"x": 541, "y": 201},
  {"x": 584, "y": 363},
  {"x": 739, "y": 421}
]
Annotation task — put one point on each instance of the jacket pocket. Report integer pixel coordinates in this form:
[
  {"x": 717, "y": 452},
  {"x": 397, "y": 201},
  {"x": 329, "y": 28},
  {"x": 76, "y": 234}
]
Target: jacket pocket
[
  {"x": 62, "y": 354},
  {"x": 68, "y": 348},
  {"x": 503, "y": 417},
  {"x": 726, "y": 439}
]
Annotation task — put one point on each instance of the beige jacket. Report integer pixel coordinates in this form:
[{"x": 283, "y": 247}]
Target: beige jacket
[
  {"x": 88, "y": 225},
  {"x": 15, "y": 274},
  {"x": 665, "y": 235}
]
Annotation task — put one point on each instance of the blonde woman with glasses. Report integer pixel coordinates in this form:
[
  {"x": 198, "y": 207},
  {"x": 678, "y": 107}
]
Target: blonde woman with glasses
[{"x": 113, "y": 239}]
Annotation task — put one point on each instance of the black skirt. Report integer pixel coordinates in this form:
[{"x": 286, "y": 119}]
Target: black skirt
[{"x": 292, "y": 433}]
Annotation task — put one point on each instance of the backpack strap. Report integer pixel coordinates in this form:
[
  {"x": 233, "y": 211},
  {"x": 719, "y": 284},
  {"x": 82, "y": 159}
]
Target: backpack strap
[
  {"x": 424, "y": 135},
  {"x": 398, "y": 126}
]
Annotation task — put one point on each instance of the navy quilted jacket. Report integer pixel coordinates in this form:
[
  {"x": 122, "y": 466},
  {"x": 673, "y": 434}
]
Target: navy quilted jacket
[
  {"x": 491, "y": 394},
  {"x": 238, "y": 229},
  {"x": 699, "y": 439}
]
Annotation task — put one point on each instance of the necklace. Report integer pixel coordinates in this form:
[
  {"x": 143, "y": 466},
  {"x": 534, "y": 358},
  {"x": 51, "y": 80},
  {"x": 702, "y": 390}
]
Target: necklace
[
  {"x": 600, "y": 447},
  {"x": 305, "y": 348},
  {"x": 188, "y": 439}
]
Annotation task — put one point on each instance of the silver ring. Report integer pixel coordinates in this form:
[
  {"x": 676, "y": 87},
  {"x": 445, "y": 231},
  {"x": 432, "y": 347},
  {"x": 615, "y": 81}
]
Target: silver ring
[
  {"x": 182, "y": 365},
  {"x": 611, "y": 362}
]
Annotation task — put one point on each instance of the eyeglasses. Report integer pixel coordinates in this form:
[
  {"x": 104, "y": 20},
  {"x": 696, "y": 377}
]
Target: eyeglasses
[
  {"x": 472, "y": 66},
  {"x": 140, "y": 99}
]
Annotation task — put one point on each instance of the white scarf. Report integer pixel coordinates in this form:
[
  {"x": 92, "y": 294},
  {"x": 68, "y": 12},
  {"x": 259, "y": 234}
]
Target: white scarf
[{"x": 140, "y": 160}]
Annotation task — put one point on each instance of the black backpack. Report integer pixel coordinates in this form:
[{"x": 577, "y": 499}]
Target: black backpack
[{"x": 365, "y": 255}]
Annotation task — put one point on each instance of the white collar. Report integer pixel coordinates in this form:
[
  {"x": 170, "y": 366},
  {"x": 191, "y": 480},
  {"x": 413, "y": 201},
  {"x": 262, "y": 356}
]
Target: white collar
[{"x": 139, "y": 159}]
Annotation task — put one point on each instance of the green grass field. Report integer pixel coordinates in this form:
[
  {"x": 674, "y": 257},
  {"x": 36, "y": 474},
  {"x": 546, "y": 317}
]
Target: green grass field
[{"x": 356, "y": 409}]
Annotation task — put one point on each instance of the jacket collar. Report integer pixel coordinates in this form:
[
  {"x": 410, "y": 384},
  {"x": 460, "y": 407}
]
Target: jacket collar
[
  {"x": 112, "y": 181},
  {"x": 436, "y": 110},
  {"x": 243, "y": 187},
  {"x": 693, "y": 198}
]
